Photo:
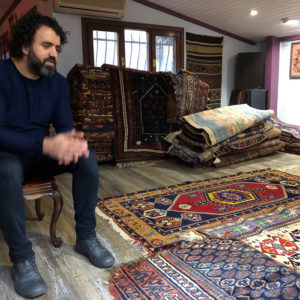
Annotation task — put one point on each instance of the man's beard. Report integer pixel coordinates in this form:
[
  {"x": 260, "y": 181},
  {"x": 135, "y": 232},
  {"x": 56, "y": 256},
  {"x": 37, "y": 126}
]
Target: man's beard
[{"x": 39, "y": 67}]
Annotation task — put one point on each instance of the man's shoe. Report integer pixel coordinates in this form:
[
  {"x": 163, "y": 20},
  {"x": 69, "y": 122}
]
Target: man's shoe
[
  {"x": 98, "y": 255},
  {"x": 28, "y": 281}
]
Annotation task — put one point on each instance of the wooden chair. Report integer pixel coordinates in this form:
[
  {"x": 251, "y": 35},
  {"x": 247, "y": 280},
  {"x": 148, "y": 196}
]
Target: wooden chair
[{"x": 35, "y": 189}]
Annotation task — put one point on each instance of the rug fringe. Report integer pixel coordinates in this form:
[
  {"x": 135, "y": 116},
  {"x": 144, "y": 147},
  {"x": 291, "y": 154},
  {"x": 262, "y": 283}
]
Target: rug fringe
[
  {"x": 135, "y": 244},
  {"x": 192, "y": 236},
  {"x": 136, "y": 163}
]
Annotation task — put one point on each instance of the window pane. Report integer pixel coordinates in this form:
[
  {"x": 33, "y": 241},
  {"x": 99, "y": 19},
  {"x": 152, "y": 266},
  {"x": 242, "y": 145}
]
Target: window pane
[
  {"x": 136, "y": 49},
  {"x": 105, "y": 48},
  {"x": 165, "y": 49}
]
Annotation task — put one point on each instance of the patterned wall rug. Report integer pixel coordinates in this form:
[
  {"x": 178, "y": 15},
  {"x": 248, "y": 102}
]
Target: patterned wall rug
[
  {"x": 212, "y": 269},
  {"x": 140, "y": 101},
  {"x": 156, "y": 219},
  {"x": 190, "y": 93},
  {"x": 204, "y": 58},
  {"x": 91, "y": 103}
]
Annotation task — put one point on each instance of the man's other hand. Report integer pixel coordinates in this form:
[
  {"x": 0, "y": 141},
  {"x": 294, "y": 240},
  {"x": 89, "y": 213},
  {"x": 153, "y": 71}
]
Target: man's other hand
[{"x": 66, "y": 147}]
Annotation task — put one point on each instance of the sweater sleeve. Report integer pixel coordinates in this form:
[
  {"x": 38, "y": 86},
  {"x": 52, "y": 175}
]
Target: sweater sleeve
[
  {"x": 62, "y": 118},
  {"x": 12, "y": 140}
]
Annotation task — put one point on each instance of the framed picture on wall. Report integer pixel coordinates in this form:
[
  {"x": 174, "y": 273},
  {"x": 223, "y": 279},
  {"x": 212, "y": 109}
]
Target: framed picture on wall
[{"x": 295, "y": 61}]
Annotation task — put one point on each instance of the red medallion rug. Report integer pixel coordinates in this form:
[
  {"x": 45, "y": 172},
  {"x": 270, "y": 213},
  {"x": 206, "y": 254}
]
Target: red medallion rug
[
  {"x": 212, "y": 269},
  {"x": 155, "y": 219}
]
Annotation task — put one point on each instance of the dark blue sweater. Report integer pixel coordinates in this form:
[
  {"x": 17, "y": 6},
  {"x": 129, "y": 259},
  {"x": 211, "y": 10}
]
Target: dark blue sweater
[{"x": 27, "y": 107}]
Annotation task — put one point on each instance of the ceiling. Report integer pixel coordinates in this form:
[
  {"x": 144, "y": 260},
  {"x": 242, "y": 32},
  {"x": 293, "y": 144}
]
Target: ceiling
[
  {"x": 231, "y": 15},
  {"x": 234, "y": 15}
]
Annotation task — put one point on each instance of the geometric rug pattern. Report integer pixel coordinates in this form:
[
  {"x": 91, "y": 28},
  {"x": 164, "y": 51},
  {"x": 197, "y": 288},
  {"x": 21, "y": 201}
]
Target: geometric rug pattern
[
  {"x": 157, "y": 218},
  {"x": 140, "y": 114},
  {"x": 243, "y": 226},
  {"x": 281, "y": 244},
  {"x": 204, "y": 59},
  {"x": 211, "y": 269}
]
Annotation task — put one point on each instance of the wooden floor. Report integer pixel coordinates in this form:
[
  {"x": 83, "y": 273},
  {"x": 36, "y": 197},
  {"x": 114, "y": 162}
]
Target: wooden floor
[{"x": 71, "y": 276}]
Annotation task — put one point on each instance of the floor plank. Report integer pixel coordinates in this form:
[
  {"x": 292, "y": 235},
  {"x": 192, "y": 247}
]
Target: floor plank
[{"x": 71, "y": 276}]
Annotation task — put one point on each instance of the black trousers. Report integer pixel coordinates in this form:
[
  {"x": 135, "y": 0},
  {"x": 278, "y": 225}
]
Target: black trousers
[{"x": 15, "y": 167}]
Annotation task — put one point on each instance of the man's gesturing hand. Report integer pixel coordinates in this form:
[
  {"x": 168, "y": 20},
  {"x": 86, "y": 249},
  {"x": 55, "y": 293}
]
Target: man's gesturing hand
[{"x": 66, "y": 147}]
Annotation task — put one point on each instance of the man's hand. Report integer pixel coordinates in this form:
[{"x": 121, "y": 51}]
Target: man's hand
[
  {"x": 66, "y": 147},
  {"x": 77, "y": 134}
]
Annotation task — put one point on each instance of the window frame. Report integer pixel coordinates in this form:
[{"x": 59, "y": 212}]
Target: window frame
[{"x": 90, "y": 24}]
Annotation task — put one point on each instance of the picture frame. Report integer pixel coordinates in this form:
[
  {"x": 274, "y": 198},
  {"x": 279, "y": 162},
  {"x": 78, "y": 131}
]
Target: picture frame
[{"x": 295, "y": 61}]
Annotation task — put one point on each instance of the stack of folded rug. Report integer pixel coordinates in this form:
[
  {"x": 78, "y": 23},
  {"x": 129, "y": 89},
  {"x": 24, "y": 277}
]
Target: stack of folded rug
[
  {"x": 290, "y": 135},
  {"x": 224, "y": 136},
  {"x": 91, "y": 103}
]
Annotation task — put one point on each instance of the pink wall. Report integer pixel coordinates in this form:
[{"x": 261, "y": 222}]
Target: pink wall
[{"x": 272, "y": 70}]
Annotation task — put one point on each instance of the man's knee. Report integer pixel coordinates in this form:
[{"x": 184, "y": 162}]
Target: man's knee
[
  {"x": 11, "y": 169},
  {"x": 89, "y": 164}
]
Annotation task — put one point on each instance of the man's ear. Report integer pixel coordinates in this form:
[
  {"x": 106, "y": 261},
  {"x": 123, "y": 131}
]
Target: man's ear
[{"x": 25, "y": 49}]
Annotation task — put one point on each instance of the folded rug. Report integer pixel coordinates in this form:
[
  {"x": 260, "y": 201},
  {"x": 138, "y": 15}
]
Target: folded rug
[
  {"x": 188, "y": 150},
  {"x": 219, "y": 124},
  {"x": 290, "y": 135}
]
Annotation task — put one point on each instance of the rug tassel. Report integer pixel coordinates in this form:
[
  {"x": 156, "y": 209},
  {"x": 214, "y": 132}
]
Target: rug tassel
[
  {"x": 192, "y": 236},
  {"x": 135, "y": 244}
]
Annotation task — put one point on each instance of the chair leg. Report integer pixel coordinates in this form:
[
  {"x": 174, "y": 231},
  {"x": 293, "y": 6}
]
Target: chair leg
[
  {"x": 58, "y": 204},
  {"x": 38, "y": 211}
]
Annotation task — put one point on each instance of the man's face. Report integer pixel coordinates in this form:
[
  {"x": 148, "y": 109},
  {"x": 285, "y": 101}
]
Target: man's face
[{"x": 42, "y": 54}]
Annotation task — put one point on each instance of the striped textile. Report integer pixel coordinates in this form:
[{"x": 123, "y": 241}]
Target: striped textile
[
  {"x": 204, "y": 58},
  {"x": 91, "y": 103}
]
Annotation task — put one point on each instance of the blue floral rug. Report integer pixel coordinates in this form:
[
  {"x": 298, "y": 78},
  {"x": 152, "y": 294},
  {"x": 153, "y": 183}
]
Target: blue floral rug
[{"x": 211, "y": 269}]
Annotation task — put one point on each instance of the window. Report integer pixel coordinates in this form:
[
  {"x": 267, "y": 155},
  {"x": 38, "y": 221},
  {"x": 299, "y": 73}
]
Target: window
[
  {"x": 105, "y": 47},
  {"x": 136, "y": 49},
  {"x": 132, "y": 45},
  {"x": 165, "y": 53}
]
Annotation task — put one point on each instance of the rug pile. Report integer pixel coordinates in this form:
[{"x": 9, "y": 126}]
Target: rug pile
[
  {"x": 240, "y": 231},
  {"x": 224, "y": 136},
  {"x": 155, "y": 219},
  {"x": 290, "y": 135},
  {"x": 212, "y": 269}
]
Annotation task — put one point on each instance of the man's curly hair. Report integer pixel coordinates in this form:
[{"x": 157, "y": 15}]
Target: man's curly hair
[{"x": 23, "y": 32}]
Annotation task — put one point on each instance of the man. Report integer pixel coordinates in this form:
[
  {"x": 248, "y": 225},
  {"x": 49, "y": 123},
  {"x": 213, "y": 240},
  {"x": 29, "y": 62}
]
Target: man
[{"x": 33, "y": 95}]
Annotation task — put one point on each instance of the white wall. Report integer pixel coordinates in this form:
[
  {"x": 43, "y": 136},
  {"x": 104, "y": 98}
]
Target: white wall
[
  {"x": 139, "y": 13},
  {"x": 72, "y": 51},
  {"x": 288, "y": 105}
]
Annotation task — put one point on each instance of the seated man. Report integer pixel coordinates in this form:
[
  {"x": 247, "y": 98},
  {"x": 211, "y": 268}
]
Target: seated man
[{"x": 33, "y": 95}]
